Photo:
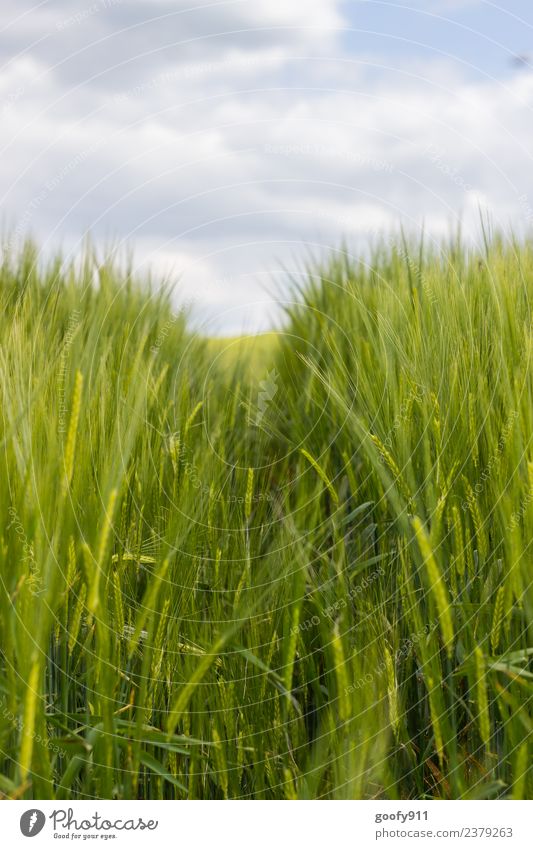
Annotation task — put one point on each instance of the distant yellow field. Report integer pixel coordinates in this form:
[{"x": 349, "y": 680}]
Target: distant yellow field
[{"x": 253, "y": 353}]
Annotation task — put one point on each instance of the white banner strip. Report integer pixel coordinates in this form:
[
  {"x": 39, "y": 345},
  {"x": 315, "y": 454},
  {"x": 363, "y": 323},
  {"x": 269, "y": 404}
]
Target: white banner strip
[{"x": 268, "y": 825}]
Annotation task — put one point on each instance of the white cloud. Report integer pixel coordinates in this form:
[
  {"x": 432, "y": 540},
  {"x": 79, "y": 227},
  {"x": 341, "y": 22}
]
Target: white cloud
[{"x": 223, "y": 162}]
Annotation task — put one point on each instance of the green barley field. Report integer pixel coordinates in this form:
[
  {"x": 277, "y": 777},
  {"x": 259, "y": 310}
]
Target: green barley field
[{"x": 296, "y": 566}]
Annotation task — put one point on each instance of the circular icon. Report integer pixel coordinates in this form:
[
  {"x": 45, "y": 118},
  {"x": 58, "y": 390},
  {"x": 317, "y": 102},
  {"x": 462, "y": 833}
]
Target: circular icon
[{"x": 32, "y": 822}]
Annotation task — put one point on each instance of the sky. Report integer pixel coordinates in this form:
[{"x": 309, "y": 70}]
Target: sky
[{"x": 223, "y": 144}]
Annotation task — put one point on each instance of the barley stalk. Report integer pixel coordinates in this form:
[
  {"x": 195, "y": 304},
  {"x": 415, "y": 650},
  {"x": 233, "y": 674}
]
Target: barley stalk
[
  {"x": 481, "y": 696},
  {"x": 437, "y": 586}
]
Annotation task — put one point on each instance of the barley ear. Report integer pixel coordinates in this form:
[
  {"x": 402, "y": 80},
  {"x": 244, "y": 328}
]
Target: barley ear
[
  {"x": 249, "y": 494},
  {"x": 70, "y": 445}
]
